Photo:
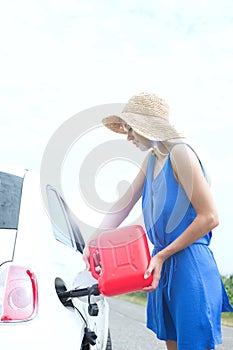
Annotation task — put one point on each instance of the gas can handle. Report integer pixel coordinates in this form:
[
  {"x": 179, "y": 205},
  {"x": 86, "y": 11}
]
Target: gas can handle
[{"x": 95, "y": 265}]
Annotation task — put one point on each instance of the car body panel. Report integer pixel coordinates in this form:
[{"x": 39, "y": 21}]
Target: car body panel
[{"x": 34, "y": 246}]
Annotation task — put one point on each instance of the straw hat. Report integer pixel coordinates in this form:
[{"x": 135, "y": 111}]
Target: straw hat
[{"x": 148, "y": 115}]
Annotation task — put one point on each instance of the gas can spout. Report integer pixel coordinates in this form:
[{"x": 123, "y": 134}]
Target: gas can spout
[{"x": 77, "y": 293}]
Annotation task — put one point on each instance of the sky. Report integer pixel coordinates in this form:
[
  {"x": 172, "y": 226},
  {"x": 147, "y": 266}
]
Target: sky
[{"x": 60, "y": 57}]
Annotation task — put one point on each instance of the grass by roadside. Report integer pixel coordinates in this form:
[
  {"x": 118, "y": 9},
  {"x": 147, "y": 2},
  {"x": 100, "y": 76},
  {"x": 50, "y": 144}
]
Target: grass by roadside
[
  {"x": 227, "y": 319},
  {"x": 137, "y": 298},
  {"x": 141, "y": 298}
]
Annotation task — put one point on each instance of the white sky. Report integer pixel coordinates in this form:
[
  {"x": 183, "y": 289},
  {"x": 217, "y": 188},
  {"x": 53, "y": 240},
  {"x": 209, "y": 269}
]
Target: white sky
[{"x": 59, "y": 57}]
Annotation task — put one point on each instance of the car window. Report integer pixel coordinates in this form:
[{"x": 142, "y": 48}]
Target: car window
[
  {"x": 10, "y": 198},
  {"x": 60, "y": 223},
  {"x": 79, "y": 241}
]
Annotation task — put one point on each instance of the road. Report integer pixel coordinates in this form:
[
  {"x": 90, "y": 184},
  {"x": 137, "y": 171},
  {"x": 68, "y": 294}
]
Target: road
[{"x": 128, "y": 331}]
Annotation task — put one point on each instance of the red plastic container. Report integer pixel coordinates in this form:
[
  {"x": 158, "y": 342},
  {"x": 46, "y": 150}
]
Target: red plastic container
[{"x": 119, "y": 259}]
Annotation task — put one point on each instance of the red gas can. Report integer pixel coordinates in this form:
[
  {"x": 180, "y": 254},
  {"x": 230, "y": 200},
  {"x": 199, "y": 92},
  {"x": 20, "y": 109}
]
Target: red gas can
[{"x": 119, "y": 259}]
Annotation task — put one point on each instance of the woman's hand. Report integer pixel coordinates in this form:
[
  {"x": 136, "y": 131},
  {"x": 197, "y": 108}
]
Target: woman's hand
[
  {"x": 155, "y": 267},
  {"x": 86, "y": 256}
]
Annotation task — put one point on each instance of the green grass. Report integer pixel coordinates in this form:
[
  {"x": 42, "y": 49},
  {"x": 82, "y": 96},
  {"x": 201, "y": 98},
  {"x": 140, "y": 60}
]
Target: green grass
[
  {"x": 141, "y": 298},
  {"x": 137, "y": 298},
  {"x": 227, "y": 319}
]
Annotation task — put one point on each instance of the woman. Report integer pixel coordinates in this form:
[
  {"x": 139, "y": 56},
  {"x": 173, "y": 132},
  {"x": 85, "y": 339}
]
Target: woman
[{"x": 186, "y": 297}]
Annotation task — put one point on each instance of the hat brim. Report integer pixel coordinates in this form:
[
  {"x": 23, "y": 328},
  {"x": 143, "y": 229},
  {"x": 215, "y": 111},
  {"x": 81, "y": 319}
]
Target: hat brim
[{"x": 152, "y": 128}]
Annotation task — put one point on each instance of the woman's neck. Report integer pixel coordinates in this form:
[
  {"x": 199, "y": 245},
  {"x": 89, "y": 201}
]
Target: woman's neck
[{"x": 162, "y": 148}]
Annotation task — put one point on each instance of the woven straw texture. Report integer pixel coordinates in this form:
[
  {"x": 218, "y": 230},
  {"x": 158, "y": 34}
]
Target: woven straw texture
[{"x": 148, "y": 115}]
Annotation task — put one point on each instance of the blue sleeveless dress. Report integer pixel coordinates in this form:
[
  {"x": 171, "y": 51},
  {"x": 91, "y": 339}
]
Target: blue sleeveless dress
[{"x": 187, "y": 305}]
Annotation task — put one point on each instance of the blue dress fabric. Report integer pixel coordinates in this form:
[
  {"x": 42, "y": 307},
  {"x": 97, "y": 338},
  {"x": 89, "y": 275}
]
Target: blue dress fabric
[{"x": 187, "y": 305}]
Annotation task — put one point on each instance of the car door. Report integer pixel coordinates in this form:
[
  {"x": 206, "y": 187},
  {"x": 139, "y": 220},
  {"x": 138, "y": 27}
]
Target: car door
[{"x": 67, "y": 232}]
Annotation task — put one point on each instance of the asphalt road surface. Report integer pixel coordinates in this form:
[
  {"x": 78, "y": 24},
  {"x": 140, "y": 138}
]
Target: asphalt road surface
[{"x": 128, "y": 330}]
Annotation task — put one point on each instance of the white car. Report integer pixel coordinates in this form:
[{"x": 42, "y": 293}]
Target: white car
[{"x": 40, "y": 263}]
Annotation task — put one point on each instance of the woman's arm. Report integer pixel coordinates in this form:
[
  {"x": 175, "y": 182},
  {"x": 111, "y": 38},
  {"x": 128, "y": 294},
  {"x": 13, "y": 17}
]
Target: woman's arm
[
  {"x": 188, "y": 173},
  {"x": 190, "y": 176},
  {"x": 121, "y": 209}
]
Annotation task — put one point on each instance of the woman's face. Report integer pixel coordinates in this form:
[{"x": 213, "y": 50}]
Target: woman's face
[{"x": 139, "y": 141}]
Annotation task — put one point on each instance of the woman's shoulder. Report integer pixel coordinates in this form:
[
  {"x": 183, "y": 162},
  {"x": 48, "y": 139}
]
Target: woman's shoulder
[
  {"x": 180, "y": 150},
  {"x": 183, "y": 157},
  {"x": 188, "y": 154}
]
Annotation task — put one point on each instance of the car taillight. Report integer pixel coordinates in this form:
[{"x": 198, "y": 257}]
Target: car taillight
[{"x": 18, "y": 294}]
